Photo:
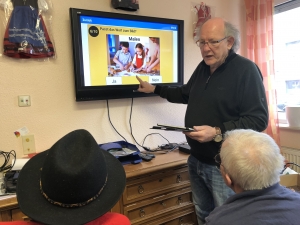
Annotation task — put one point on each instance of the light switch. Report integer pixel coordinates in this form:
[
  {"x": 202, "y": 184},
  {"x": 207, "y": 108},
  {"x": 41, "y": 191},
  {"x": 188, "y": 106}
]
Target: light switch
[
  {"x": 24, "y": 100},
  {"x": 28, "y": 144}
]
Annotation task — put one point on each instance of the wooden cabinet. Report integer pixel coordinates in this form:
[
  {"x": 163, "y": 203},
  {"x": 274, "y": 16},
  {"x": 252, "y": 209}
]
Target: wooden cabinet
[
  {"x": 159, "y": 192},
  {"x": 9, "y": 210},
  {"x": 156, "y": 192}
]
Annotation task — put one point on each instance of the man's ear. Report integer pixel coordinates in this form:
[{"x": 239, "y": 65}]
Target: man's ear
[
  {"x": 230, "y": 42},
  {"x": 226, "y": 178}
]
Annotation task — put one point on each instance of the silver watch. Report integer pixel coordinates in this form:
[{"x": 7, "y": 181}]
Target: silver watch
[{"x": 218, "y": 137}]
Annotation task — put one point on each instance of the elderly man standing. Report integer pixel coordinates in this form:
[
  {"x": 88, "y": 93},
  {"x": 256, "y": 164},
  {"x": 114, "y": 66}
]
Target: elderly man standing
[{"x": 225, "y": 92}]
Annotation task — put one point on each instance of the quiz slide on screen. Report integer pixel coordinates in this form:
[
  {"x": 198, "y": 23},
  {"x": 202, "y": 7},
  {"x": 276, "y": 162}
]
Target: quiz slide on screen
[{"x": 115, "y": 55}]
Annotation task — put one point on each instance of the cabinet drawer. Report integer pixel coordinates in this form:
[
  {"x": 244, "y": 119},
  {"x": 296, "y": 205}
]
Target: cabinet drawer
[
  {"x": 182, "y": 216},
  {"x": 183, "y": 220},
  {"x": 144, "y": 187},
  {"x": 16, "y": 215},
  {"x": 159, "y": 207}
]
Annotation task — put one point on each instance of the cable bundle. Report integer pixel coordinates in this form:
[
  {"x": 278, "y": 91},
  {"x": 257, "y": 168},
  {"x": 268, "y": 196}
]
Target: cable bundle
[
  {"x": 6, "y": 166},
  {"x": 287, "y": 165}
]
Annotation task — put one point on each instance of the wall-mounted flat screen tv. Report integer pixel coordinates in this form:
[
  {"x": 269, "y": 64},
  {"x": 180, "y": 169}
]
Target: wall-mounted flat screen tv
[{"x": 111, "y": 49}]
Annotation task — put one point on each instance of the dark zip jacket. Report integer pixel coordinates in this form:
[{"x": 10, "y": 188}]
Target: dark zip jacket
[
  {"x": 275, "y": 205},
  {"x": 233, "y": 97}
]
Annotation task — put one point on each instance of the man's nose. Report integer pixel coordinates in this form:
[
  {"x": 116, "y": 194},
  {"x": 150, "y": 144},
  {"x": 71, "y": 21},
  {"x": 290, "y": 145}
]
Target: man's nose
[{"x": 206, "y": 47}]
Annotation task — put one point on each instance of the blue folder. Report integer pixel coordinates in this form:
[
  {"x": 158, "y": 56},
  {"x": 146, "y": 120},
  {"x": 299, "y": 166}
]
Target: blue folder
[{"x": 133, "y": 158}]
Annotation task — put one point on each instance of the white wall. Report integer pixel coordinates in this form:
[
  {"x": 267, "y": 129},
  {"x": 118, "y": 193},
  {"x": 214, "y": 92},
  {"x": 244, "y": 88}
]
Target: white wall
[{"x": 54, "y": 111}]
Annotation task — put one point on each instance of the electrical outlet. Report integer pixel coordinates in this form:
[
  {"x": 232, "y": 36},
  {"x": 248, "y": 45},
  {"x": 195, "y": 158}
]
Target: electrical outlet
[
  {"x": 24, "y": 100},
  {"x": 28, "y": 144}
]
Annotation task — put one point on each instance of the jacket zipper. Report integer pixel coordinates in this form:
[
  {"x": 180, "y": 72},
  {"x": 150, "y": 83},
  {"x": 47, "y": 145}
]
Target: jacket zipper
[{"x": 206, "y": 82}]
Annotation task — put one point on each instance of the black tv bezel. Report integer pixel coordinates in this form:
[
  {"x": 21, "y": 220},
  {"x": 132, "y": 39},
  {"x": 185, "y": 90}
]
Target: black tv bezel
[{"x": 84, "y": 93}]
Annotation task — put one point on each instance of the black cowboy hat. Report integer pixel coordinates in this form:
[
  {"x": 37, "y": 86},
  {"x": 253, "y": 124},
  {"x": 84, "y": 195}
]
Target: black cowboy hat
[{"x": 74, "y": 182}]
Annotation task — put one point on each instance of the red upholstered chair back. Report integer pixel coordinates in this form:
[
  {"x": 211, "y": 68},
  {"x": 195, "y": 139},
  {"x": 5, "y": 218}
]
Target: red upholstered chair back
[{"x": 106, "y": 219}]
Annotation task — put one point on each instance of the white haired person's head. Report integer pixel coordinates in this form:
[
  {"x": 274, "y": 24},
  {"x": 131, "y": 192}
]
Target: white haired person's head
[
  {"x": 251, "y": 159},
  {"x": 229, "y": 31}
]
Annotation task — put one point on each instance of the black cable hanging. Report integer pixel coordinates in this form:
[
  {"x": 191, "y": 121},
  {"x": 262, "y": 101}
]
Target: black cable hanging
[
  {"x": 111, "y": 122},
  {"x": 7, "y": 166},
  {"x": 146, "y": 148}
]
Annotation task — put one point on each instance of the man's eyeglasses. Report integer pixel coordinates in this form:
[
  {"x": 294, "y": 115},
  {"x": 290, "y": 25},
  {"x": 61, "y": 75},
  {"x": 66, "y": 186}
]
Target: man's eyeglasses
[
  {"x": 209, "y": 43},
  {"x": 218, "y": 160}
]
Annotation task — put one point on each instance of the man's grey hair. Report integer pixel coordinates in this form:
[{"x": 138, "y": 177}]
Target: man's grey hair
[
  {"x": 251, "y": 159},
  {"x": 230, "y": 31}
]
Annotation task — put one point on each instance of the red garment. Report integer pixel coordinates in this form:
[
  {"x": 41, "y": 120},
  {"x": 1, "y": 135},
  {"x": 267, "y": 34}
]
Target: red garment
[
  {"x": 139, "y": 61},
  {"x": 110, "y": 219},
  {"x": 107, "y": 219}
]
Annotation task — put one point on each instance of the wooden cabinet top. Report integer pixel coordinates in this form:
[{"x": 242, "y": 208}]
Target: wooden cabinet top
[{"x": 160, "y": 162}]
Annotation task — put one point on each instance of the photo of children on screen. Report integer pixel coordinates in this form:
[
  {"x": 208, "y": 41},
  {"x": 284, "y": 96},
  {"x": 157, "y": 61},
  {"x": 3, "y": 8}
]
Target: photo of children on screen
[
  {"x": 123, "y": 57},
  {"x": 132, "y": 56},
  {"x": 139, "y": 59}
]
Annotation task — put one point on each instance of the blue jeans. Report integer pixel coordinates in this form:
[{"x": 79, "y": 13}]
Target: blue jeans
[{"x": 208, "y": 188}]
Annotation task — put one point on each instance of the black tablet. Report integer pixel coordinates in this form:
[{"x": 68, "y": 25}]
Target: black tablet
[{"x": 172, "y": 128}]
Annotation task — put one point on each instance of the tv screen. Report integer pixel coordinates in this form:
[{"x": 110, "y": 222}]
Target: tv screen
[{"x": 111, "y": 49}]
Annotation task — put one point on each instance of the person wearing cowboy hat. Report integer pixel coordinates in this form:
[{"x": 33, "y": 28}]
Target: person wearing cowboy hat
[{"x": 74, "y": 182}]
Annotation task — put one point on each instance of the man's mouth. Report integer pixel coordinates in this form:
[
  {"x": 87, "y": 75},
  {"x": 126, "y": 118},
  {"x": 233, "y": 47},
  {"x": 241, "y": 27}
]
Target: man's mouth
[{"x": 208, "y": 56}]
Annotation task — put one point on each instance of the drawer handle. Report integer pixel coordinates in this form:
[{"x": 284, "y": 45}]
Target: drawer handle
[
  {"x": 141, "y": 189},
  {"x": 179, "y": 200},
  {"x": 163, "y": 204},
  {"x": 142, "y": 213},
  {"x": 26, "y": 218},
  {"x": 178, "y": 180},
  {"x": 181, "y": 221}
]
